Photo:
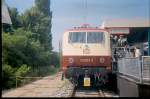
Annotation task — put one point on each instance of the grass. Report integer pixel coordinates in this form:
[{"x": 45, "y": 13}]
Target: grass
[
  {"x": 35, "y": 72},
  {"x": 43, "y": 71},
  {"x": 38, "y": 72}
]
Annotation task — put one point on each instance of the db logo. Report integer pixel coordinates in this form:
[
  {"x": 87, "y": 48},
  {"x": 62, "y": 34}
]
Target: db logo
[
  {"x": 71, "y": 60},
  {"x": 102, "y": 60},
  {"x": 86, "y": 51}
]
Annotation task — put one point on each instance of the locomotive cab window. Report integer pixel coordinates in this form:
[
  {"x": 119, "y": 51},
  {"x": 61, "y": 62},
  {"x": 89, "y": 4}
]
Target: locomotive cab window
[
  {"x": 77, "y": 37},
  {"x": 95, "y": 37}
]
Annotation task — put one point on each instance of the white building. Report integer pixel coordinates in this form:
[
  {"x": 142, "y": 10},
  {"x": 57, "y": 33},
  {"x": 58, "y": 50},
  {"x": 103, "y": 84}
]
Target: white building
[{"x": 5, "y": 14}]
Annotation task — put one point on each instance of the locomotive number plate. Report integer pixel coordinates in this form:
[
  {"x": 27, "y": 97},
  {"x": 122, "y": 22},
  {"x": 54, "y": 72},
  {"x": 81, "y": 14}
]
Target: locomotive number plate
[{"x": 86, "y": 81}]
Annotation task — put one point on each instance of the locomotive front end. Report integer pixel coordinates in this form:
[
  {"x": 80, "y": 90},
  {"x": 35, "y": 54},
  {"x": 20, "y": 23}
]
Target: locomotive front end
[{"x": 86, "y": 56}]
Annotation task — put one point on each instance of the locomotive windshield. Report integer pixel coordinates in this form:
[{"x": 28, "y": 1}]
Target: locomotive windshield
[
  {"x": 80, "y": 37},
  {"x": 77, "y": 37},
  {"x": 95, "y": 37}
]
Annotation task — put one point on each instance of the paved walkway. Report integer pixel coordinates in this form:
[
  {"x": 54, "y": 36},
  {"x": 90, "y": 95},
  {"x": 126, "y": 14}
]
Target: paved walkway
[{"x": 45, "y": 87}]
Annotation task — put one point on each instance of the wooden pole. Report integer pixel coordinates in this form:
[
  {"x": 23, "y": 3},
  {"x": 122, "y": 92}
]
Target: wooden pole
[{"x": 16, "y": 81}]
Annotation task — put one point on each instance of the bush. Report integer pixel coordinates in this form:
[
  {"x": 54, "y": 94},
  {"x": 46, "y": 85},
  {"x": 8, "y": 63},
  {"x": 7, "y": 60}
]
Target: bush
[
  {"x": 8, "y": 77},
  {"x": 42, "y": 71},
  {"x": 27, "y": 44},
  {"x": 23, "y": 55},
  {"x": 22, "y": 70}
]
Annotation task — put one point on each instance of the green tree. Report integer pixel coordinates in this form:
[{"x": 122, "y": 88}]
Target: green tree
[
  {"x": 38, "y": 20},
  {"x": 27, "y": 51},
  {"x": 14, "y": 15},
  {"x": 43, "y": 6}
]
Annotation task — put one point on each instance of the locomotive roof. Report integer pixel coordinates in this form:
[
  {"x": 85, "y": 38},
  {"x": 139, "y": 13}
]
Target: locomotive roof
[{"x": 86, "y": 27}]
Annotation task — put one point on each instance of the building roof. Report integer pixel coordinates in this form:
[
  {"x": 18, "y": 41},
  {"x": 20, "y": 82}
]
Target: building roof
[
  {"x": 5, "y": 15},
  {"x": 126, "y": 23}
]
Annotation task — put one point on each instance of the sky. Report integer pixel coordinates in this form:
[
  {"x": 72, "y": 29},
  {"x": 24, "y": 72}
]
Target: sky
[{"x": 67, "y": 14}]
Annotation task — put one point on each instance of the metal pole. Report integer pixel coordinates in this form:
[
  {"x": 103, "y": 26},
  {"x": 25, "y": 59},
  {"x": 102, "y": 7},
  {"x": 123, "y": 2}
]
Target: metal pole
[
  {"x": 141, "y": 70},
  {"x": 148, "y": 41}
]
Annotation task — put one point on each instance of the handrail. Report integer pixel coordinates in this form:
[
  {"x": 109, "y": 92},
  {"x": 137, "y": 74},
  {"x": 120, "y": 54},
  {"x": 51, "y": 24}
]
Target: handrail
[{"x": 135, "y": 67}]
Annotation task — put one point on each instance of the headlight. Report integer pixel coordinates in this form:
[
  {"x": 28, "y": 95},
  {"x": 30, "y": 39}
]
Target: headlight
[{"x": 101, "y": 60}]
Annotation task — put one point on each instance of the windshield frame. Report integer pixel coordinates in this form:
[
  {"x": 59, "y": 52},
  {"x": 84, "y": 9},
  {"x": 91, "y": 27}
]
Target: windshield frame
[{"x": 86, "y": 37}]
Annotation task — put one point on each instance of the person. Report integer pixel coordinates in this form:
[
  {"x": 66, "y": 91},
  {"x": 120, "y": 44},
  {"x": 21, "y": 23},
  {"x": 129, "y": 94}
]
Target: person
[
  {"x": 120, "y": 40},
  {"x": 112, "y": 40},
  {"x": 145, "y": 49},
  {"x": 124, "y": 41},
  {"x": 127, "y": 52},
  {"x": 115, "y": 39},
  {"x": 137, "y": 52}
]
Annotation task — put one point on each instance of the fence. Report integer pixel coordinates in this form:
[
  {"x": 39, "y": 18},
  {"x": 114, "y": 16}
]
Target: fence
[
  {"x": 135, "y": 68},
  {"x": 146, "y": 68},
  {"x": 25, "y": 80}
]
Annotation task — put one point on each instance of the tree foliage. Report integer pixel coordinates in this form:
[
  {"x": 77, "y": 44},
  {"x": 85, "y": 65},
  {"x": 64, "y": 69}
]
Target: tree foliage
[
  {"x": 22, "y": 70},
  {"x": 14, "y": 17},
  {"x": 27, "y": 50},
  {"x": 7, "y": 76},
  {"x": 40, "y": 25},
  {"x": 43, "y": 6}
]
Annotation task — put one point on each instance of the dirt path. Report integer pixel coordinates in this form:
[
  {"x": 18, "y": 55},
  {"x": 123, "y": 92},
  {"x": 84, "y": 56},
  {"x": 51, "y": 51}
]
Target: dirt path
[{"x": 46, "y": 87}]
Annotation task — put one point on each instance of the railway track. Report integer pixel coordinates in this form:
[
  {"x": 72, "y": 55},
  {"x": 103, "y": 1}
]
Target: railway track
[
  {"x": 92, "y": 92},
  {"x": 87, "y": 92}
]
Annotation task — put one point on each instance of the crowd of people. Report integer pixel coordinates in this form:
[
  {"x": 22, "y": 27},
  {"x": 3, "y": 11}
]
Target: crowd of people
[
  {"x": 123, "y": 49},
  {"x": 119, "y": 42}
]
